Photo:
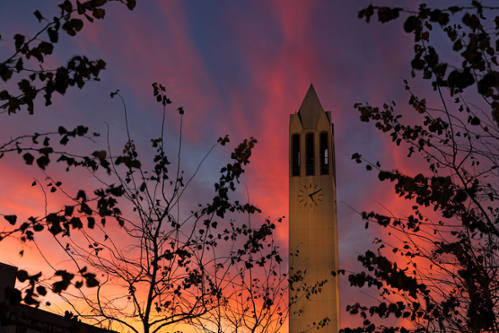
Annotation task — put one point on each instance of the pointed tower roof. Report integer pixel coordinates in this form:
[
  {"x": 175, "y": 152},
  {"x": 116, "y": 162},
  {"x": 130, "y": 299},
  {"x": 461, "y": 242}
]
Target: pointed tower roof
[{"x": 310, "y": 109}]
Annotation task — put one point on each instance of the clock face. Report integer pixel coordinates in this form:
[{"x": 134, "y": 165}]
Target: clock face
[{"x": 310, "y": 195}]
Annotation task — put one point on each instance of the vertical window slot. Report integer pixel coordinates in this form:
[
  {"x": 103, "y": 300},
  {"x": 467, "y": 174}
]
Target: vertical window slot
[
  {"x": 309, "y": 144},
  {"x": 324, "y": 153}
]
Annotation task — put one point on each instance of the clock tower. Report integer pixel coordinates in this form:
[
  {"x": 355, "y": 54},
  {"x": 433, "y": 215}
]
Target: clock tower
[{"x": 313, "y": 221}]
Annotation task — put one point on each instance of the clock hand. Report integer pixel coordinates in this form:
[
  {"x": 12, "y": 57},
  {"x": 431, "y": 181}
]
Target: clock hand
[{"x": 311, "y": 194}]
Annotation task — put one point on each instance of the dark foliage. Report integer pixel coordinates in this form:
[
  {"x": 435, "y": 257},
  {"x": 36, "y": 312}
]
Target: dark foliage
[{"x": 446, "y": 279}]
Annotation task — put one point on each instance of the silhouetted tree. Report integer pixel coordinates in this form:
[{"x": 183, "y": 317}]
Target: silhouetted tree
[
  {"x": 447, "y": 277},
  {"x": 79, "y": 69},
  {"x": 176, "y": 267},
  {"x": 258, "y": 298},
  {"x": 32, "y": 81}
]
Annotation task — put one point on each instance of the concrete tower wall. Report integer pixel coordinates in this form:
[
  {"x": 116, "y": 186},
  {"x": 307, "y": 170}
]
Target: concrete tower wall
[{"x": 313, "y": 225}]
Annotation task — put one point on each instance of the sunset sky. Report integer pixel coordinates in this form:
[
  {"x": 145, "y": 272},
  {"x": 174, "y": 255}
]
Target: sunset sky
[{"x": 237, "y": 68}]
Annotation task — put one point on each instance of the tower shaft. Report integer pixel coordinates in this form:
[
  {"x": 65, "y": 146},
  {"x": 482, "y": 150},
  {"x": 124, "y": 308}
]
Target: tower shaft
[{"x": 313, "y": 222}]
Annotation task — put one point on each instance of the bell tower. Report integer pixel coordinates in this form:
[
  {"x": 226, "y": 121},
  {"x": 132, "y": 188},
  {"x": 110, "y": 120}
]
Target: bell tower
[{"x": 313, "y": 221}]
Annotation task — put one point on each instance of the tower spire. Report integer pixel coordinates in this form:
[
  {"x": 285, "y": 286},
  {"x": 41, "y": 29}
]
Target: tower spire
[{"x": 310, "y": 109}]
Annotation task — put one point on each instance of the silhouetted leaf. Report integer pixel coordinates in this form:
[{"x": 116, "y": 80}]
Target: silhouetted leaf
[
  {"x": 42, "y": 162},
  {"x": 131, "y": 4},
  {"x": 386, "y": 14},
  {"x": 66, "y": 6},
  {"x": 11, "y": 218},
  {"x": 77, "y": 24},
  {"x": 46, "y": 48},
  {"x": 457, "y": 45},
  {"x": 64, "y": 140},
  {"x": 41, "y": 290},
  {"x": 475, "y": 121},
  {"x": 91, "y": 222},
  {"x": 46, "y": 151},
  {"x": 38, "y": 15},
  {"x": 19, "y": 41},
  {"x": 410, "y": 24},
  {"x": 91, "y": 281},
  {"x": 81, "y": 130},
  {"x": 487, "y": 82},
  {"x": 99, "y": 13},
  {"x": 76, "y": 223},
  {"x": 22, "y": 275},
  {"x": 38, "y": 227},
  {"x": 19, "y": 65},
  {"x": 53, "y": 35},
  {"x": 68, "y": 28},
  {"x": 84, "y": 208},
  {"x": 68, "y": 210},
  {"x": 81, "y": 195},
  {"x": 5, "y": 73},
  {"x": 62, "y": 285}
]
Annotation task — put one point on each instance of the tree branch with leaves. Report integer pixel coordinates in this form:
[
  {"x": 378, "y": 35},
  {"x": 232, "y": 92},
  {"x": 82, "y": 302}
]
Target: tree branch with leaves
[{"x": 446, "y": 278}]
